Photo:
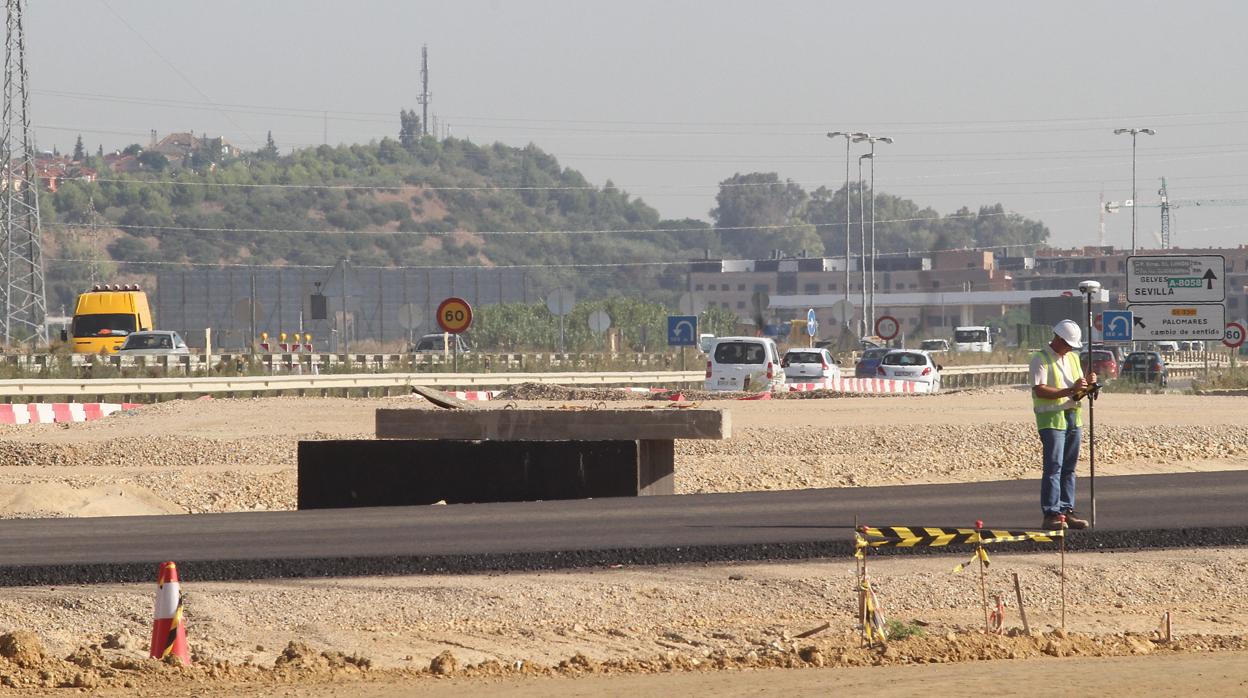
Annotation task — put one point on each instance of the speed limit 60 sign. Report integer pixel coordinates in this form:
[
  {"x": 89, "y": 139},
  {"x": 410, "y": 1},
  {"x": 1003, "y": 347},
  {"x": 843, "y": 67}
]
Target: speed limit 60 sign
[
  {"x": 454, "y": 315},
  {"x": 1234, "y": 336}
]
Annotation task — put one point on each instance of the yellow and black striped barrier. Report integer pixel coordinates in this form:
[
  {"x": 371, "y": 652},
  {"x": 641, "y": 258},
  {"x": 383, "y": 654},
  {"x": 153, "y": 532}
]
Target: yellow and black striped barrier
[
  {"x": 867, "y": 537},
  {"x": 928, "y": 536}
]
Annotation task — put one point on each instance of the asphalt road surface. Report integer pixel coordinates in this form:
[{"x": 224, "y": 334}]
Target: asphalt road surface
[{"x": 1178, "y": 510}]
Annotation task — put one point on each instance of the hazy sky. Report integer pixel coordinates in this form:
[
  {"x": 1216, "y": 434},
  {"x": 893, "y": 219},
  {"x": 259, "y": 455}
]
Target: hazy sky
[{"x": 988, "y": 101}]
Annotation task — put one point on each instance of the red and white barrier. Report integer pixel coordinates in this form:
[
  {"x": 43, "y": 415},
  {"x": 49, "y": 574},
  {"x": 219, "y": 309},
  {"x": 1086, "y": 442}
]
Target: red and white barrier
[
  {"x": 887, "y": 386},
  {"x": 59, "y": 412},
  {"x": 473, "y": 394}
]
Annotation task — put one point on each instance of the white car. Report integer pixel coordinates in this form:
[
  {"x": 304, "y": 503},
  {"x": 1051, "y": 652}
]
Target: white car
[
  {"x": 153, "y": 343},
  {"x": 911, "y": 365},
  {"x": 750, "y": 364},
  {"x": 809, "y": 366},
  {"x": 934, "y": 345}
]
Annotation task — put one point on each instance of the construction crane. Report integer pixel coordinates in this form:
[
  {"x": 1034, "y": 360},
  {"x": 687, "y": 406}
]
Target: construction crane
[
  {"x": 1165, "y": 204},
  {"x": 1165, "y": 215}
]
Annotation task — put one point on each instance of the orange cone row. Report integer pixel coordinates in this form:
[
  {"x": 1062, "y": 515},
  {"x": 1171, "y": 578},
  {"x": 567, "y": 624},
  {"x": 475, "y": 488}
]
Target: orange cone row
[{"x": 169, "y": 626}]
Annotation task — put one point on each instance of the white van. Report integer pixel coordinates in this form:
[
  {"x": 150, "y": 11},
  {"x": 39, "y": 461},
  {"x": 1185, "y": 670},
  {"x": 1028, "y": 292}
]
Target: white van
[
  {"x": 972, "y": 338},
  {"x": 748, "y": 364}
]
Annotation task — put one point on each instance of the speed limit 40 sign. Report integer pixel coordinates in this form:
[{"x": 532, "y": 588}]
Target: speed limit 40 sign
[
  {"x": 454, "y": 315},
  {"x": 1234, "y": 335}
]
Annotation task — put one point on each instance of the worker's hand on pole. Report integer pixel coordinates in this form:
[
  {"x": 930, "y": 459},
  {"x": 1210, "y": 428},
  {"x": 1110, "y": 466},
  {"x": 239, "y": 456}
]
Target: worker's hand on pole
[
  {"x": 1091, "y": 378},
  {"x": 1080, "y": 386}
]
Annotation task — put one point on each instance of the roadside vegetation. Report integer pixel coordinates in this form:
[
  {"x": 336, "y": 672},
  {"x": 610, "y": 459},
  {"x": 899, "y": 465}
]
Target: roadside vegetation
[{"x": 455, "y": 203}]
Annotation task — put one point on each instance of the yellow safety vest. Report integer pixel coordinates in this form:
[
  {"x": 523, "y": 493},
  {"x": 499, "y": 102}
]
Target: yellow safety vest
[{"x": 1051, "y": 414}]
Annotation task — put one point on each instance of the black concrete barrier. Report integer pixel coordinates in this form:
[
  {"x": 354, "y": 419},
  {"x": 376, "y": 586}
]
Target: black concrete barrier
[{"x": 401, "y": 472}]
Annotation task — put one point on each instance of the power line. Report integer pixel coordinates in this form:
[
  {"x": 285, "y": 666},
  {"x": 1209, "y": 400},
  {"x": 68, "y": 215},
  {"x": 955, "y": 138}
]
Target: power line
[
  {"x": 174, "y": 68},
  {"x": 317, "y": 112}
]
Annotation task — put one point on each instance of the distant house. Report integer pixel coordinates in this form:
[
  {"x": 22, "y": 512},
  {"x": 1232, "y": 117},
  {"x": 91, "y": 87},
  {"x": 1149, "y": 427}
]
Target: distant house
[
  {"x": 180, "y": 146},
  {"x": 119, "y": 163},
  {"x": 53, "y": 170}
]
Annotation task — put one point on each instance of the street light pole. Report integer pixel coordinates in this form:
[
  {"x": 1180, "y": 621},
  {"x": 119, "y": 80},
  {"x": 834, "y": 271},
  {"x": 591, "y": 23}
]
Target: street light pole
[
  {"x": 1134, "y": 204},
  {"x": 849, "y": 137},
  {"x": 872, "y": 140},
  {"x": 862, "y": 248}
]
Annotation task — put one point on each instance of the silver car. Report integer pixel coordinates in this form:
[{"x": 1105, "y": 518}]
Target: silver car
[
  {"x": 809, "y": 366},
  {"x": 154, "y": 343},
  {"x": 911, "y": 365}
]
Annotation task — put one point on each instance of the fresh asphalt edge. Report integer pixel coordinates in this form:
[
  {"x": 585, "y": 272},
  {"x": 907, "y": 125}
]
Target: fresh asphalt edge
[{"x": 346, "y": 566}]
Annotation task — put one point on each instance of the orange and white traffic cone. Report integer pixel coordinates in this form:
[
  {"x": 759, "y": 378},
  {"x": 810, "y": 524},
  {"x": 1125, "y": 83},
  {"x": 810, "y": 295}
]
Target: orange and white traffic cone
[{"x": 169, "y": 626}]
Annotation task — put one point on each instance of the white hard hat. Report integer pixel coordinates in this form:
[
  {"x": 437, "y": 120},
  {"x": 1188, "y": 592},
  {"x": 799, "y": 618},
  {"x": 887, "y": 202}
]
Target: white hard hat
[{"x": 1070, "y": 333}]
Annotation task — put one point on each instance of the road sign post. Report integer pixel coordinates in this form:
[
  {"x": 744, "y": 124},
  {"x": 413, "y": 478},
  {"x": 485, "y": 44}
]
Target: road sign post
[
  {"x": 454, "y": 317},
  {"x": 1234, "y": 339},
  {"x": 682, "y": 331},
  {"x": 812, "y": 326},
  {"x": 560, "y": 303}
]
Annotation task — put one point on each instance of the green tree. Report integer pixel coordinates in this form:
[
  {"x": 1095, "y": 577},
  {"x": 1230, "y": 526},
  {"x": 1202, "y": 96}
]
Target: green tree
[
  {"x": 409, "y": 127},
  {"x": 79, "y": 152},
  {"x": 269, "y": 151},
  {"x": 154, "y": 161},
  {"x": 720, "y": 322},
  {"x": 762, "y": 213}
]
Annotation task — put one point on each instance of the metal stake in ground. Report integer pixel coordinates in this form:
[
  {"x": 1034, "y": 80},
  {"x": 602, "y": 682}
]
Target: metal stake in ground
[
  {"x": 983, "y": 583},
  {"x": 1088, "y": 288},
  {"x": 1062, "y": 548},
  {"x": 1022, "y": 610}
]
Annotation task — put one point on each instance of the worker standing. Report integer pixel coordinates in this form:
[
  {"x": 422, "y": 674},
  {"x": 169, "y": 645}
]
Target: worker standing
[{"x": 1058, "y": 386}]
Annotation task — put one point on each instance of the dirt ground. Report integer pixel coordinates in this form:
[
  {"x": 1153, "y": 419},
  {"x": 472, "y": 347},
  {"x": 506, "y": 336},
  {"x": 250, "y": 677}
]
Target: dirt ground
[{"x": 630, "y": 630}]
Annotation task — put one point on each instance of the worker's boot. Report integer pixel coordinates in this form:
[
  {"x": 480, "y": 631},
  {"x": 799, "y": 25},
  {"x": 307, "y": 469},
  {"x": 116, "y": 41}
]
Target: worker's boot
[
  {"x": 1075, "y": 522},
  {"x": 1053, "y": 522}
]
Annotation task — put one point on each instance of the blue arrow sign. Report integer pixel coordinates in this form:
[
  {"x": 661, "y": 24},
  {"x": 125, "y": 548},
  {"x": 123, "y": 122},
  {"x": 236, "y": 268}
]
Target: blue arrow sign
[
  {"x": 682, "y": 330},
  {"x": 1116, "y": 325},
  {"x": 812, "y": 323}
]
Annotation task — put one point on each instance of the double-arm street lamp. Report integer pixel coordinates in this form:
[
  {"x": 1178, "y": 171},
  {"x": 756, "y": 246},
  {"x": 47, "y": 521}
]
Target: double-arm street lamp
[
  {"x": 1134, "y": 204},
  {"x": 849, "y": 137},
  {"x": 873, "y": 140}
]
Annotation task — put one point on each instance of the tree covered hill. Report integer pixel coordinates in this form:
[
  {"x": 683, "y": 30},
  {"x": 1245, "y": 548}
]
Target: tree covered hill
[{"x": 424, "y": 202}]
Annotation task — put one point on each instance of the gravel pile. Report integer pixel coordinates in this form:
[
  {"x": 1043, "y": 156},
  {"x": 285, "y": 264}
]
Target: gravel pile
[{"x": 545, "y": 391}]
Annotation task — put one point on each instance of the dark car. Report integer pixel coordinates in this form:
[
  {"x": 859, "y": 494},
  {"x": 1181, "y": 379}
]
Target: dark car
[
  {"x": 1104, "y": 363},
  {"x": 1145, "y": 367},
  {"x": 869, "y": 362}
]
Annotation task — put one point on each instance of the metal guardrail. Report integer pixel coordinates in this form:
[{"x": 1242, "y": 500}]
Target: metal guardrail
[
  {"x": 343, "y": 381},
  {"x": 952, "y": 376}
]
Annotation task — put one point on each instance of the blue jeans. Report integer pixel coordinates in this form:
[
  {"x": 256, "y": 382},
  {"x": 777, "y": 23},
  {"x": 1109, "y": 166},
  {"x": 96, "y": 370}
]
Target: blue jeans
[{"x": 1061, "y": 454}]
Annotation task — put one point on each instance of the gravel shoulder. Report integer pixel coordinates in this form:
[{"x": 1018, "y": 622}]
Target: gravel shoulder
[
  {"x": 206, "y": 456},
  {"x": 577, "y": 629},
  {"x": 660, "y": 620}
]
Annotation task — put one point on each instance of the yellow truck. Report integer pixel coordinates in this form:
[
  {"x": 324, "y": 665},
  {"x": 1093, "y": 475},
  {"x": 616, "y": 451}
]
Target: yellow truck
[{"x": 105, "y": 315}]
